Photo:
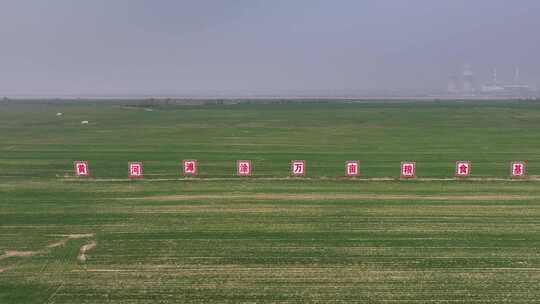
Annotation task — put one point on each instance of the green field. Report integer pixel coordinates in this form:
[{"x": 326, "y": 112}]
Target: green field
[{"x": 269, "y": 238}]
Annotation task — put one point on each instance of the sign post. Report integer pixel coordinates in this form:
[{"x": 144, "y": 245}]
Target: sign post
[
  {"x": 243, "y": 168},
  {"x": 518, "y": 169},
  {"x": 298, "y": 168},
  {"x": 189, "y": 167},
  {"x": 81, "y": 168},
  {"x": 463, "y": 168},
  {"x": 135, "y": 170},
  {"x": 352, "y": 168},
  {"x": 408, "y": 169}
]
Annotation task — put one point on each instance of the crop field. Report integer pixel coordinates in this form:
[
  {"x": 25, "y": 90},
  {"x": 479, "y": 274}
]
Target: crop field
[{"x": 269, "y": 238}]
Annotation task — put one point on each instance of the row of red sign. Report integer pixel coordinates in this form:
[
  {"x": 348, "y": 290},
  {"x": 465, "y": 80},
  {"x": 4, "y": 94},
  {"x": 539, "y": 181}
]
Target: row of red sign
[{"x": 298, "y": 168}]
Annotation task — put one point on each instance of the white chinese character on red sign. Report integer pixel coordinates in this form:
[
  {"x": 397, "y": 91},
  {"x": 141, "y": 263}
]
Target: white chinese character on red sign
[
  {"x": 243, "y": 168},
  {"x": 408, "y": 169},
  {"x": 298, "y": 168},
  {"x": 81, "y": 168},
  {"x": 352, "y": 168}
]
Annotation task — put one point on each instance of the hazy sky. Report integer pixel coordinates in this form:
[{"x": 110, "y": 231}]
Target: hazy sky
[{"x": 171, "y": 47}]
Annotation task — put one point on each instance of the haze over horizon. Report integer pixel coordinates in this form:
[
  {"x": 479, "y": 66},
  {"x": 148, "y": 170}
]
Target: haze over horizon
[{"x": 171, "y": 47}]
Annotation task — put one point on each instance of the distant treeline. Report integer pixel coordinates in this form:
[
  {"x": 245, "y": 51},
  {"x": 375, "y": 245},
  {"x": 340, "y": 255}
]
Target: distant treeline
[{"x": 160, "y": 102}]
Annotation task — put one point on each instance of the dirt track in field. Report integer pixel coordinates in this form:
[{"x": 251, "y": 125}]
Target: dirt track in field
[
  {"x": 25, "y": 254},
  {"x": 15, "y": 253},
  {"x": 85, "y": 249},
  {"x": 323, "y": 197}
]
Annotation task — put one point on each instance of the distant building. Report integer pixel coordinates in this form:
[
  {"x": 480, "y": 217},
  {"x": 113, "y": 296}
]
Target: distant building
[
  {"x": 465, "y": 85},
  {"x": 453, "y": 85},
  {"x": 492, "y": 87},
  {"x": 469, "y": 82},
  {"x": 514, "y": 89}
]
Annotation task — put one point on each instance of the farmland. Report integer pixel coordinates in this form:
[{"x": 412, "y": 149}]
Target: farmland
[{"x": 268, "y": 238}]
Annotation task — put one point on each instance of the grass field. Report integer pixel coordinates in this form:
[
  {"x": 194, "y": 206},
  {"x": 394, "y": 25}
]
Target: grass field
[{"x": 269, "y": 238}]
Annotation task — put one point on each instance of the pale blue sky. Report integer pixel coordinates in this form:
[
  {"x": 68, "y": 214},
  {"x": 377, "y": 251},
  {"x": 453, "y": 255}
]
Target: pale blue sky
[{"x": 172, "y": 47}]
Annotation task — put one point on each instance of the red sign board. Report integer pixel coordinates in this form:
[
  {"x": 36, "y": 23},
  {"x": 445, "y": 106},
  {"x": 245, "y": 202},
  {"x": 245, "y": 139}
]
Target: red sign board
[
  {"x": 518, "y": 169},
  {"x": 189, "y": 167},
  {"x": 81, "y": 168},
  {"x": 135, "y": 170},
  {"x": 408, "y": 169},
  {"x": 243, "y": 168},
  {"x": 298, "y": 168},
  {"x": 352, "y": 168},
  {"x": 463, "y": 168}
]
